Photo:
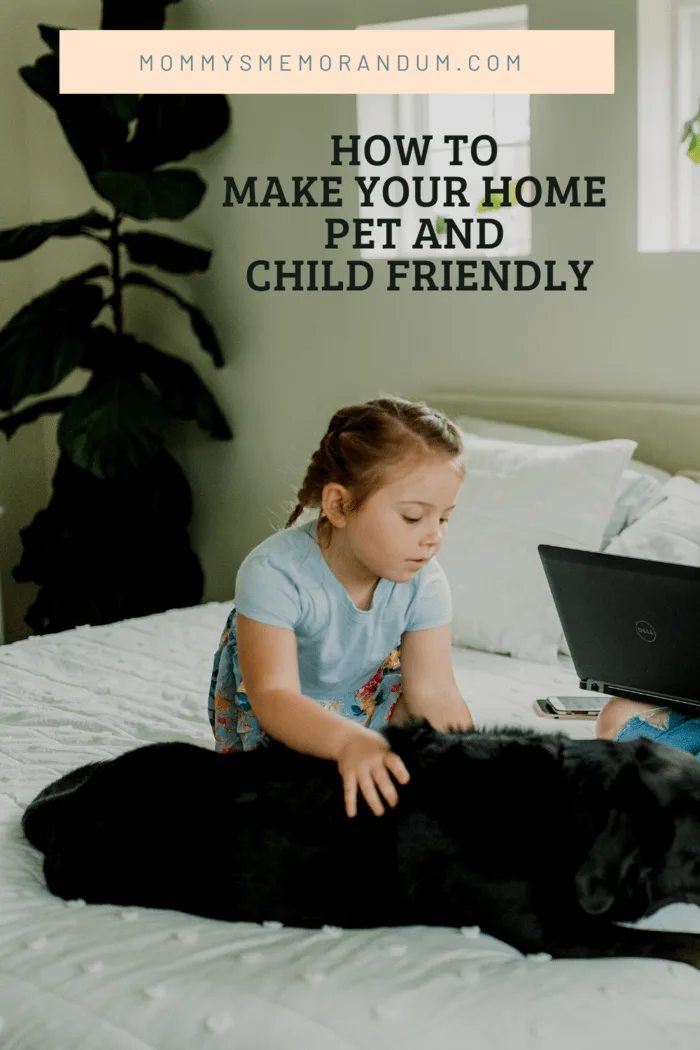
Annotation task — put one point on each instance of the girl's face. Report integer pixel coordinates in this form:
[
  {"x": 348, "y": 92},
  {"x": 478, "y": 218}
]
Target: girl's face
[{"x": 402, "y": 524}]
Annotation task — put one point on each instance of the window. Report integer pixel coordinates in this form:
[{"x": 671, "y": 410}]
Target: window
[
  {"x": 668, "y": 82},
  {"x": 506, "y": 118}
]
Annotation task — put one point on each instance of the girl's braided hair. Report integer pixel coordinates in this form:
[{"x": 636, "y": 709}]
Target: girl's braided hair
[{"x": 363, "y": 440}]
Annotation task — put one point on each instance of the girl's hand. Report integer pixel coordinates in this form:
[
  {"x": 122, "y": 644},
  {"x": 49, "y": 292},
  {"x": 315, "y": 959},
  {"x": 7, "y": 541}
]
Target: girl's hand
[{"x": 364, "y": 761}]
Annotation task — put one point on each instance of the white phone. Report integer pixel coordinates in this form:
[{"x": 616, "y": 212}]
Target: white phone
[{"x": 584, "y": 702}]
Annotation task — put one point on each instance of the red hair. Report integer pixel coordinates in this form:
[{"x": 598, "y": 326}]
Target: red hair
[{"x": 363, "y": 440}]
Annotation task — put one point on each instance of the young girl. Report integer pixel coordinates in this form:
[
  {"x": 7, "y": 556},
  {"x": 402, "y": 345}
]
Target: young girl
[{"x": 343, "y": 623}]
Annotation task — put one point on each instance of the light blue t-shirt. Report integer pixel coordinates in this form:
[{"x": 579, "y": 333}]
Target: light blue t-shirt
[
  {"x": 349, "y": 658},
  {"x": 286, "y": 582}
]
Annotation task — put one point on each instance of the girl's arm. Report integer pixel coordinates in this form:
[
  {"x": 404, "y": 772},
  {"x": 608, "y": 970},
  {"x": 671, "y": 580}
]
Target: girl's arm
[
  {"x": 270, "y": 673},
  {"x": 268, "y": 660},
  {"x": 428, "y": 682}
]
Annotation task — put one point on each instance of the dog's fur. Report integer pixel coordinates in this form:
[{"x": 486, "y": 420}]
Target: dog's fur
[{"x": 542, "y": 841}]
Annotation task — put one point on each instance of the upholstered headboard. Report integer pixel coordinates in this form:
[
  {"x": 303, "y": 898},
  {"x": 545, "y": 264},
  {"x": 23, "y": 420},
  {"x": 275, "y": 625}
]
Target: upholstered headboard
[{"x": 668, "y": 434}]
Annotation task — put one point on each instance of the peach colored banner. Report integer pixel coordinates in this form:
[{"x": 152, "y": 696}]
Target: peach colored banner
[{"x": 337, "y": 62}]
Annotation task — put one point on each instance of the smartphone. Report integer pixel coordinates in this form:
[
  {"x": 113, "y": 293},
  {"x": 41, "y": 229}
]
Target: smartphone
[
  {"x": 588, "y": 702},
  {"x": 545, "y": 709}
]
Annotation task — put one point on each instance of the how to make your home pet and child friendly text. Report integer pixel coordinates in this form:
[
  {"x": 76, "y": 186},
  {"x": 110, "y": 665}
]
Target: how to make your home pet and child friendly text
[{"x": 438, "y": 229}]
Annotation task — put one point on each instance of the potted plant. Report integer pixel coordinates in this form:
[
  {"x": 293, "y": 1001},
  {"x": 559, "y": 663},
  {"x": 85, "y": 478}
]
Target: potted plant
[
  {"x": 113, "y": 541},
  {"x": 692, "y": 136}
]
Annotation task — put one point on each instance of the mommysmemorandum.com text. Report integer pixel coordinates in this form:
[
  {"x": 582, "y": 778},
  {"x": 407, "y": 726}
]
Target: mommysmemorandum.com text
[{"x": 325, "y": 63}]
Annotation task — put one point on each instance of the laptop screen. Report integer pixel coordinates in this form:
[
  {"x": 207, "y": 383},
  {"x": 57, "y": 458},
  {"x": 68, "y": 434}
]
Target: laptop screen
[{"x": 628, "y": 622}]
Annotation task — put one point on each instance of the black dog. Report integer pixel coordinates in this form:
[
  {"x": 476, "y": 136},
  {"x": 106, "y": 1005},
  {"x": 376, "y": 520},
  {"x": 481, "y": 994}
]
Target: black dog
[{"x": 542, "y": 841}]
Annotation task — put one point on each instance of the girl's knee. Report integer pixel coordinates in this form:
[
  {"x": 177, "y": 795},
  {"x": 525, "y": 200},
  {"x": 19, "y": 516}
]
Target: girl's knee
[
  {"x": 609, "y": 722},
  {"x": 619, "y": 711}
]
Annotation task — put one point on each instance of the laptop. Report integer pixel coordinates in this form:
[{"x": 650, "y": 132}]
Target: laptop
[{"x": 632, "y": 626}]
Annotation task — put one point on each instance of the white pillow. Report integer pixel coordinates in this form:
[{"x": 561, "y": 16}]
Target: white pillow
[
  {"x": 515, "y": 497},
  {"x": 636, "y": 494},
  {"x": 669, "y": 532},
  {"x": 639, "y": 488},
  {"x": 534, "y": 436}
]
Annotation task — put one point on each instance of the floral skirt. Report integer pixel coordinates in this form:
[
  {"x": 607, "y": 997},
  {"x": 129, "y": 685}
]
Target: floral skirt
[{"x": 236, "y": 728}]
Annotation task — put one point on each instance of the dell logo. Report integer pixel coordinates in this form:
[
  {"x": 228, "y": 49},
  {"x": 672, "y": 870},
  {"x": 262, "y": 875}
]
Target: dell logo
[{"x": 645, "y": 631}]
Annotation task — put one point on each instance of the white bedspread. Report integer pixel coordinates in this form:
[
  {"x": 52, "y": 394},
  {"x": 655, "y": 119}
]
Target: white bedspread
[{"x": 83, "y": 978}]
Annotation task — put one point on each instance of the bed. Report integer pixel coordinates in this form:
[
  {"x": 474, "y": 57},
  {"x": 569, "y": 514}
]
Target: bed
[{"x": 74, "y": 977}]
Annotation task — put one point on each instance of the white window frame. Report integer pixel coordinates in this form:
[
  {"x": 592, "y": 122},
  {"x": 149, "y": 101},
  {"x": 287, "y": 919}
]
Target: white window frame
[
  {"x": 405, "y": 114},
  {"x": 664, "y": 104}
]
